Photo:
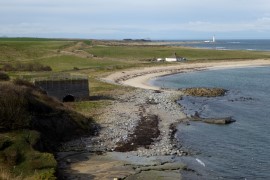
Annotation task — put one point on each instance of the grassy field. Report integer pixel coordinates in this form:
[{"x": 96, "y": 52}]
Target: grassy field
[
  {"x": 144, "y": 52},
  {"x": 48, "y": 51},
  {"x": 66, "y": 63},
  {"x": 92, "y": 59},
  {"x": 80, "y": 57}
]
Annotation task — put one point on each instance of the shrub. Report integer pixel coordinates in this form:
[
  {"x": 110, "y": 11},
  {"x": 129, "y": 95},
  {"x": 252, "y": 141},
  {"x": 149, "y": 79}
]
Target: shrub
[
  {"x": 4, "y": 143},
  {"x": 7, "y": 175},
  {"x": 13, "y": 102},
  {"x": 22, "y": 82},
  {"x": 47, "y": 68},
  {"x": 12, "y": 156},
  {"x": 4, "y": 77},
  {"x": 26, "y": 67},
  {"x": 8, "y": 67},
  {"x": 76, "y": 68}
]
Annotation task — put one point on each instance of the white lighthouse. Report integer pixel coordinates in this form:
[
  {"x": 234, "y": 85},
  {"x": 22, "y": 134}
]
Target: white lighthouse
[{"x": 214, "y": 39}]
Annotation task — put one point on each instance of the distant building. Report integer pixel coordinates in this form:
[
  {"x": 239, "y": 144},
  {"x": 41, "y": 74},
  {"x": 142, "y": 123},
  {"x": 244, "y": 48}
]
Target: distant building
[
  {"x": 174, "y": 58},
  {"x": 213, "y": 40}
]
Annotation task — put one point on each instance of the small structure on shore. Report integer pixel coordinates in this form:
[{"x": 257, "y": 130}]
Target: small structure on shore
[
  {"x": 174, "y": 58},
  {"x": 213, "y": 40},
  {"x": 65, "y": 87}
]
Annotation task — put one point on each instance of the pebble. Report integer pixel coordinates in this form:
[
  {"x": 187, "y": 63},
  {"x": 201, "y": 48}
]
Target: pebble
[{"x": 119, "y": 121}]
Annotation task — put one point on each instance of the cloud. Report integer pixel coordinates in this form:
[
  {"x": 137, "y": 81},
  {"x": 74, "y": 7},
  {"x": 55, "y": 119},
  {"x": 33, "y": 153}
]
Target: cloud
[
  {"x": 118, "y": 6},
  {"x": 261, "y": 24},
  {"x": 135, "y": 18}
]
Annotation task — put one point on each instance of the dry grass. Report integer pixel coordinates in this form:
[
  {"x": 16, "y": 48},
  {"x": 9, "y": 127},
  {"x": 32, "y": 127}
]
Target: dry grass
[
  {"x": 13, "y": 102},
  {"x": 7, "y": 175}
]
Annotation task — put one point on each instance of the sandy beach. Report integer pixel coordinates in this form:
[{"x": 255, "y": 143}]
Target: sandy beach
[
  {"x": 136, "y": 138},
  {"x": 139, "y": 77}
]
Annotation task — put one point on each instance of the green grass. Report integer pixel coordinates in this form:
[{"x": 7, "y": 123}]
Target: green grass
[
  {"x": 83, "y": 107},
  {"x": 30, "y": 39},
  {"x": 65, "y": 63},
  {"x": 19, "y": 158},
  {"x": 46, "y": 51},
  {"x": 148, "y": 52},
  {"x": 28, "y": 50},
  {"x": 124, "y": 52}
]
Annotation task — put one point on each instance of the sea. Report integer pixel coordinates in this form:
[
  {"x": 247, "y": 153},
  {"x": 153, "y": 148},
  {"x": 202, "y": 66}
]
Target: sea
[
  {"x": 240, "y": 150},
  {"x": 229, "y": 44}
]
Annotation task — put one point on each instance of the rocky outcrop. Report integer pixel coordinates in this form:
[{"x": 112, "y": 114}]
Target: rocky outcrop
[
  {"x": 226, "y": 120},
  {"x": 221, "y": 120},
  {"x": 205, "y": 92}
]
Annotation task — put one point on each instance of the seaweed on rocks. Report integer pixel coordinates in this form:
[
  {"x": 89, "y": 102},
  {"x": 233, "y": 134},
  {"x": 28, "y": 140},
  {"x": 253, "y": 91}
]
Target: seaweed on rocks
[{"x": 144, "y": 134}]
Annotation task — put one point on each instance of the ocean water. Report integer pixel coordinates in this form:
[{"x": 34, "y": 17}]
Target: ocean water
[
  {"x": 240, "y": 150},
  {"x": 252, "y": 45}
]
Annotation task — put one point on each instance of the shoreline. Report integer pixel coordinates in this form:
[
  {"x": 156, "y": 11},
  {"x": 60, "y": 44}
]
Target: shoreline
[
  {"x": 139, "y": 78},
  {"x": 120, "y": 121}
]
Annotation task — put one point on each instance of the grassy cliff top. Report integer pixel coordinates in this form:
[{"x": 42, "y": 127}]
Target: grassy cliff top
[{"x": 30, "y": 123}]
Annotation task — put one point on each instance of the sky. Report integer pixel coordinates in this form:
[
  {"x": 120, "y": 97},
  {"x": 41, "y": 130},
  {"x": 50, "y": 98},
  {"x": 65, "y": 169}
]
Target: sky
[{"x": 136, "y": 19}]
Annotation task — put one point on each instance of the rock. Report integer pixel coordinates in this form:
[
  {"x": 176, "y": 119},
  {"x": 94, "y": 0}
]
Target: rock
[
  {"x": 205, "y": 92},
  {"x": 223, "y": 120},
  {"x": 226, "y": 120}
]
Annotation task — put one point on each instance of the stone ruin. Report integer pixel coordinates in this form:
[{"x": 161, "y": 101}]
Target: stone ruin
[{"x": 65, "y": 88}]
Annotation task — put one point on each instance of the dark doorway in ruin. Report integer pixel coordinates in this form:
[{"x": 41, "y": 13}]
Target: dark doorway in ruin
[{"x": 69, "y": 98}]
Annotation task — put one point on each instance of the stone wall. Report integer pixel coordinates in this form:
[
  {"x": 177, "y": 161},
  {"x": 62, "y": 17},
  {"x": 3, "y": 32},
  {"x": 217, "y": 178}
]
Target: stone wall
[{"x": 78, "y": 88}]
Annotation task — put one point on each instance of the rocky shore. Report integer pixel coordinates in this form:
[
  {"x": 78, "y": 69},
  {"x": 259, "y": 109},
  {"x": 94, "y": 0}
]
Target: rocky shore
[
  {"x": 138, "y": 124},
  {"x": 135, "y": 139},
  {"x": 144, "y": 109},
  {"x": 146, "y": 105}
]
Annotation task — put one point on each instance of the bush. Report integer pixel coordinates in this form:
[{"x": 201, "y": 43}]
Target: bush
[
  {"x": 13, "y": 102},
  {"x": 12, "y": 156},
  {"x": 8, "y": 67},
  {"x": 4, "y": 77},
  {"x": 26, "y": 67},
  {"x": 4, "y": 143},
  {"x": 22, "y": 82}
]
